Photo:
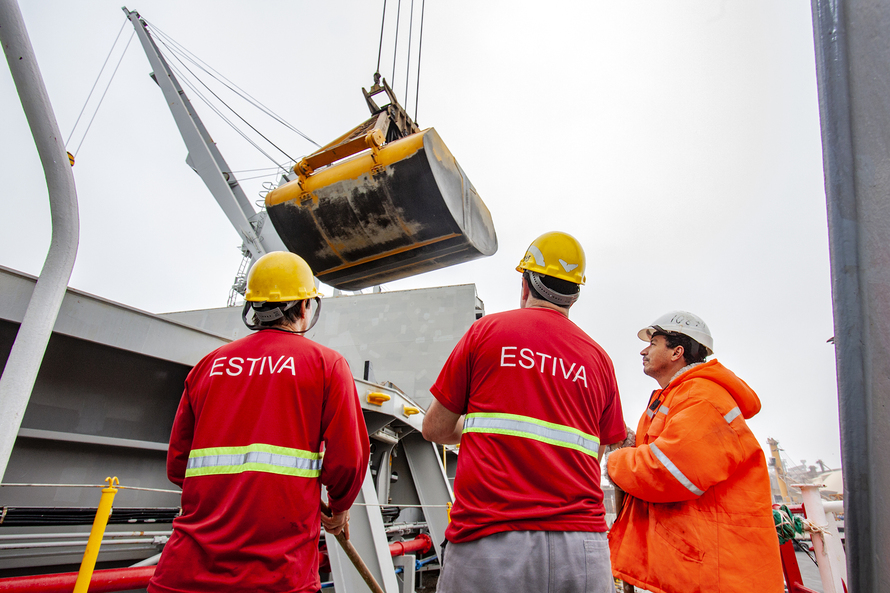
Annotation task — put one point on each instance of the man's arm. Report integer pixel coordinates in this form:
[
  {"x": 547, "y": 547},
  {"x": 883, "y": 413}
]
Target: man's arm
[
  {"x": 181, "y": 440},
  {"x": 696, "y": 450},
  {"x": 346, "y": 440},
  {"x": 441, "y": 425}
]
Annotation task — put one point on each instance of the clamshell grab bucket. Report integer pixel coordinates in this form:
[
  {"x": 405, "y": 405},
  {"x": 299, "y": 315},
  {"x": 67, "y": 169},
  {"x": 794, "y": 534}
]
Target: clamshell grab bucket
[{"x": 390, "y": 212}]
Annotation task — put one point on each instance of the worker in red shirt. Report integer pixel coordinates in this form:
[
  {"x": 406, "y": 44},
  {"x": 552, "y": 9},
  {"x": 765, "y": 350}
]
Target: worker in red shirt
[
  {"x": 532, "y": 400},
  {"x": 698, "y": 515},
  {"x": 263, "y": 423}
]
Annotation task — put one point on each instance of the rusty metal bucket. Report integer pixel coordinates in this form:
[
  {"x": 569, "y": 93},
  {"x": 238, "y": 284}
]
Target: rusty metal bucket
[{"x": 390, "y": 212}]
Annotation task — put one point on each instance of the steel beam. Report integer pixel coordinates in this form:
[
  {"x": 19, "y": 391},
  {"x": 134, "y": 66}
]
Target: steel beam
[
  {"x": 431, "y": 483},
  {"x": 367, "y": 534},
  {"x": 853, "y": 74}
]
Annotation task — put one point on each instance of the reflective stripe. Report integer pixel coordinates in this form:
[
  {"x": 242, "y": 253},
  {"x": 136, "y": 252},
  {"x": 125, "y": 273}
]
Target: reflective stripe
[
  {"x": 532, "y": 428},
  {"x": 675, "y": 471},
  {"x": 733, "y": 414},
  {"x": 253, "y": 458},
  {"x": 662, "y": 410}
]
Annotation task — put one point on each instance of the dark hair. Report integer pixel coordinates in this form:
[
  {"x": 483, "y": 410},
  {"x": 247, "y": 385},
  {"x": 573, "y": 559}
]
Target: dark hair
[
  {"x": 692, "y": 351},
  {"x": 290, "y": 315},
  {"x": 555, "y": 284}
]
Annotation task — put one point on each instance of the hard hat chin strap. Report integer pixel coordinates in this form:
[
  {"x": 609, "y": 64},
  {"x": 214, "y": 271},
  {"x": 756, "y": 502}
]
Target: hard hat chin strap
[
  {"x": 273, "y": 314},
  {"x": 550, "y": 295}
]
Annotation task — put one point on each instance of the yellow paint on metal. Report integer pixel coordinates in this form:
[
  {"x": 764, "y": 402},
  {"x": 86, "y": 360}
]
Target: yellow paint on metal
[
  {"x": 377, "y": 398},
  {"x": 353, "y": 168},
  {"x": 88, "y": 564},
  {"x": 410, "y": 410},
  {"x": 388, "y": 253}
]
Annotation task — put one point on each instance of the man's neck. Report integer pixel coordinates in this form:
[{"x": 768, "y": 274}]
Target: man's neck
[{"x": 542, "y": 304}]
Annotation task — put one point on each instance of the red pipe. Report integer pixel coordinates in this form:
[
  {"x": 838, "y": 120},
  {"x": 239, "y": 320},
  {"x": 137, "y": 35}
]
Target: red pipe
[
  {"x": 422, "y": 543},
  {"x": 103, "y": 581}
]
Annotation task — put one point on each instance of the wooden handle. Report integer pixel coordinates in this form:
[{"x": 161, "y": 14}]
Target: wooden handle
[
  {"x": 353, "y": 555},
  {"x": 359, "y": 564}
]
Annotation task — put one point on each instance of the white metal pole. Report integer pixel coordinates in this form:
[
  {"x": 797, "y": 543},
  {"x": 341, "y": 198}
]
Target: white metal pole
[
  {"x": 829, "y": 552},
  {"x": 40, "y": 317}
]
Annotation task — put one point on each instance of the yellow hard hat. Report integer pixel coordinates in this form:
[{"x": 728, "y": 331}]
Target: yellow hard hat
[
  {"x": 555, "y": 254},
  {"x": 278, "y": 277}
]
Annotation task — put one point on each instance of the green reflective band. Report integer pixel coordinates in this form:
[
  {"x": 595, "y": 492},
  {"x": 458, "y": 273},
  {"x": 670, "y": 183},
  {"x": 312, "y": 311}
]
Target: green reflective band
[
  {"x": 253, "y": 458},
  {"x": 532, "y": 428}
]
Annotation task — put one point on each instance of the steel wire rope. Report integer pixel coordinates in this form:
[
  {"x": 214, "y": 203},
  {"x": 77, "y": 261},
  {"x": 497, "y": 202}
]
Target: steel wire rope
[
  {"x": 216, "y": 110},
  {"x": 253, "y": 170},
  {"x": 222, "y": 79},
  {"x": 118, "y": 486},
  {"x": 164, "y": 490},
  {"x": 380, "y": 46},
  {"x": 238, "y": 115},
  {"x": 223, "y": 117},
  {"x": 408, "y": 61},
  {"x": 105, "y": 92},
  {"x": 419, "y": 52},
  {"x": 395, "y": 49},
  {"x": 90, "y": 94}
]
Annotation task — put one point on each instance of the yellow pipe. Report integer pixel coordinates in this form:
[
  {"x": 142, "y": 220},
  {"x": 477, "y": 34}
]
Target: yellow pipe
[
  {"x": 781, "y": 478},
  {"x": 99, "y": 523}
]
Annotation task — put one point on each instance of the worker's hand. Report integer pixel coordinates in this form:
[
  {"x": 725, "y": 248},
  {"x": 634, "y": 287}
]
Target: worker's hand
[
  {"x": 629, "y": 441},
  {"x": 336, "y": 523}
]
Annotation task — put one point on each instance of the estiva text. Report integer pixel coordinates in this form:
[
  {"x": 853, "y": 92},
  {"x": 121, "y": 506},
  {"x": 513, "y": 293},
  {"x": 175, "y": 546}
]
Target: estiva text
[
  {"x": 526, "y": 358},
  {"x": 252, "y": 366}
]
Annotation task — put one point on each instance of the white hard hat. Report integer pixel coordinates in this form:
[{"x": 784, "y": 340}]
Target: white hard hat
[{"x": 681, "y": 322}]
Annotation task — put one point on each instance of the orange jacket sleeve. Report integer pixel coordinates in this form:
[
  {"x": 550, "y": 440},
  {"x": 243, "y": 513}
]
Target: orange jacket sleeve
[{"x": 695, "y": 450}]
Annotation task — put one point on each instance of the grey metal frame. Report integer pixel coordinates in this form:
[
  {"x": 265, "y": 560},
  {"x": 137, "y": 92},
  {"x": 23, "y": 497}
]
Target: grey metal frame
[
  {"x": 205, "y": 158},
  {"x": 853, "y": 70}
]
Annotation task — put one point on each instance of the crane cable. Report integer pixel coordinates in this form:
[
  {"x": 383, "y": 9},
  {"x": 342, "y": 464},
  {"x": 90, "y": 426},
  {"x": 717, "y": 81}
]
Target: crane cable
[
  {"x": 419, "y": 50},
  {"x": 396, "y": 49},
  {"x": 380, "y": 47},
  {"x": 218, "y": 98},
  {"x": 107, "y": 86},
  {"x": 173, "y": 45}
]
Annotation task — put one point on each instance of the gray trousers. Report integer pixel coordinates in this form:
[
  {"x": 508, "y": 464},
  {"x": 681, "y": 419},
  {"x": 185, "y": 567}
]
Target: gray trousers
[{"x": 529, "y": 562}]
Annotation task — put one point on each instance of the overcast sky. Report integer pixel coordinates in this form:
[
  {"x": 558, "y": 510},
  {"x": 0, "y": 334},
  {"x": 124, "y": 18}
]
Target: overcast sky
[{"x": 679, "y": 142}]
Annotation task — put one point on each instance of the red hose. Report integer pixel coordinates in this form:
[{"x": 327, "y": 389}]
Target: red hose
[
  {"x": 103, "y": 581},
  {"x": 422, "y": 543}
]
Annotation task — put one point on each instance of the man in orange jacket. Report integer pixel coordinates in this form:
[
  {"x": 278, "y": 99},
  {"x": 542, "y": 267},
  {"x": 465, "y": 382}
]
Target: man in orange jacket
[{"x": 698, "y": 515}]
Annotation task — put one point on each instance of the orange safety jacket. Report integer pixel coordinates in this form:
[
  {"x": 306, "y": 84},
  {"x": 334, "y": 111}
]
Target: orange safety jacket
[{"x": 698, "y": 515}]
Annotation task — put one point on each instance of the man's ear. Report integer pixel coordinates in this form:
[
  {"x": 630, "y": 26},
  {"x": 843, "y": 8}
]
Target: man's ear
[{"x": 677, "y": 354}]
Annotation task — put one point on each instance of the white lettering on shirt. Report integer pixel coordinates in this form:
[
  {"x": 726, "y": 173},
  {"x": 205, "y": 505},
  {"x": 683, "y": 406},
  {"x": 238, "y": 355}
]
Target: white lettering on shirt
[
  {"x": 582, "y": 375},
  {"x": 504, "y": 355},
  {"x": 565, "y": 375},
  {"x": 528, "y": 355},
  {"x": 527, "y": 361},
  {"x": 216, "y": 363},
  {"x": 289, "y": 363},
  {"x": 235, "y": 365}
]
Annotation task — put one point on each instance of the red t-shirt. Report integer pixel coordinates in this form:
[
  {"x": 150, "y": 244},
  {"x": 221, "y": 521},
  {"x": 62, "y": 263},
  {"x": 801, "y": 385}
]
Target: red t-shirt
[
  {"x": 529, "y": 372},
  {"x": 254, "y": 415}
]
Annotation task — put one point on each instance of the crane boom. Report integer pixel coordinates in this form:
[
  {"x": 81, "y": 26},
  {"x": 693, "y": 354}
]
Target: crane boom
[{"x": 205, "y": 158}]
